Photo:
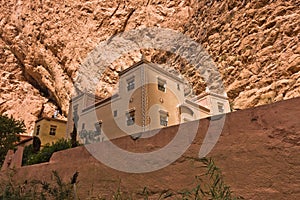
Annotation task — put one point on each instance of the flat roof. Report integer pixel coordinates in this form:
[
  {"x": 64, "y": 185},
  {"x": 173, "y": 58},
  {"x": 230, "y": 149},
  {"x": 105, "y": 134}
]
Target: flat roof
[
  {"x": 196, "y": 105},
  {"x": 51, "y": 119},
  {"x": 88, "y": 94},
  {"x": 154, "y": 66},
  {"x": 133, "y": 66},
  {"x": 100, "y": 102},
  {"x": 208, "y": 93},
  {"x": 23, "y": 139}
]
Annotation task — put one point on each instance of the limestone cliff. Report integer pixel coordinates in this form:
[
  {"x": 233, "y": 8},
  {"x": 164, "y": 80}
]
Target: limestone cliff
[{"x": 254, "y": 43}]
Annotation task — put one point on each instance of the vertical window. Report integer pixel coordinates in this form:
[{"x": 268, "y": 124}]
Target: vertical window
[
  {"x": 130, "y": 84},
  {"x": 178, "y": 86},
  {"x": 75, "y": 114},
  {"x": 130, "y": 118},
  {"x": 75, "y": 109},
  {"x": 52, "y": 130},
  {"x": 98, "y": 127},
  {"x": 38, "y": 127},
  {"x": 115, "y": 113},
  {"x": 83, "y": 126},
  {"x": 221, "y": 107},
  {"x": 163, "y": 118},
  {"x": 161, "y": 84}
]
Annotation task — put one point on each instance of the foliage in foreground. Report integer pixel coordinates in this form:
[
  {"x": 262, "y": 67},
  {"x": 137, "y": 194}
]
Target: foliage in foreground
[
  {"x": 210, "y": 185},
  {"x": 39, "y": 189},
  {"x": 9, "y": 129},
  {"x": 30, "y": 156}
]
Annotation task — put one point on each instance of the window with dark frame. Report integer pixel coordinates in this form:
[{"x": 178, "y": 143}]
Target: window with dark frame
[
  {"x": 52, "y": 130},
  {"x": 115, "y": 113},
  {"x": 130, "y": 118},
  {"x": 161, "y": 84},
  {"x": 75, "y": 108},
  {"x": 163, "y": 118},
  {"x": 38, "y": 127},
  {"x": 98, "y": 127},
  {"x": 130, "y": 84},
  {"x": 221, "y": 107}
]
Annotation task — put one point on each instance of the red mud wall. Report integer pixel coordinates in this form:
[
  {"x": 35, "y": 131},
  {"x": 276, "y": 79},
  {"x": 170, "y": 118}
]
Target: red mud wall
[{"x": 258, "y": 153}]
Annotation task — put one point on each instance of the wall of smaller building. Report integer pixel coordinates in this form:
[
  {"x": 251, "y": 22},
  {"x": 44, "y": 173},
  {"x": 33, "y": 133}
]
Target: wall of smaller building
[
  {"x": 44, "y": 130},
  {"x": 103, "y": 114},
  {"x": 215, "y": 101}
]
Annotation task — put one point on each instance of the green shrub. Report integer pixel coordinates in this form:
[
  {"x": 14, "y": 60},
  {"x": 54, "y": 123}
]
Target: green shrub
[
  {"x": 210, "y": 185},
  {"x": 44, "y": 155},
  {"x": 9, "y": 129}
]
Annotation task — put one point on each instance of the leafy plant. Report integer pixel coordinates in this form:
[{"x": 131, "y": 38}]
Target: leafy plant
[
  {"x": 9, "y": 129},
  {"x": 30, "y": 157},
  {"x": 37, "y": 189},
  {"x": 214, "y": 187}
]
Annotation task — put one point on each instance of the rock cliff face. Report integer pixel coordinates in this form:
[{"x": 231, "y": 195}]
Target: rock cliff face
[
  {"x": 254, "y": 43},
  {"x": 256, "y": 46}
]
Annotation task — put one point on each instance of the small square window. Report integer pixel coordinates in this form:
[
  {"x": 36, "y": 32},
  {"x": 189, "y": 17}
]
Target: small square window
[
  {"x": 161, "y": 84},
  {"x": 38, "y": 127},
  {"x": 52, "y": 130},
  {"x": 130, "y": 118},
  {"x": 115, "y": 113},
  {"x": 221, "y": 107},
  {"x": 130, "y": 84}
]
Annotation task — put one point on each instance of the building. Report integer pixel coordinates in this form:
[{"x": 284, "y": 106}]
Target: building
[
  {"x": 13, "y": 158},
  {"x": 149, "y": 98},
  {"x": 50, "y": 130}
]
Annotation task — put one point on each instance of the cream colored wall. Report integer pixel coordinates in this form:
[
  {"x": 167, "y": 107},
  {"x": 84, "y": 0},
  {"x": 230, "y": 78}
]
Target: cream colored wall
[
  {"x": 204, "y": 102},
  {"x": 44, "y": 135},
  {"x": 167, "y": 101},
  {"x": 102, "y": 113},
  {"x": 162, "y": 101},
  {"x": 130, "y": 100},
  {"x": 114, "y": 127},
  {"x": 197, "y": 113},
  {"x": 216, "y": 100},
  {"x": 211, "y": 101}
]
